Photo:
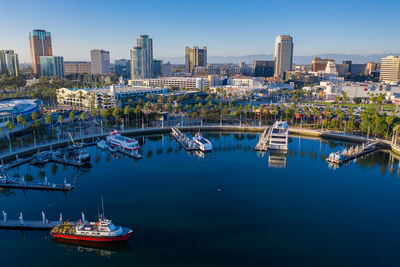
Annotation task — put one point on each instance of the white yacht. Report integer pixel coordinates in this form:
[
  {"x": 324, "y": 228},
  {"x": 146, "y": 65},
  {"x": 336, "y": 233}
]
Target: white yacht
[
  {"x": 203, "y": 144},
  {"x": 279, "y": 136}
]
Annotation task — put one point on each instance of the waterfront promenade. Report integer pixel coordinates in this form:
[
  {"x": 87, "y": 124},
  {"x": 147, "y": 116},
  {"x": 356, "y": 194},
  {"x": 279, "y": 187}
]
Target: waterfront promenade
[{"x": 91, "y": 138}]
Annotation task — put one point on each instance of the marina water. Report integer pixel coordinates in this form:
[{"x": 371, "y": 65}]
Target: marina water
[{"x": 231, "y": 207}]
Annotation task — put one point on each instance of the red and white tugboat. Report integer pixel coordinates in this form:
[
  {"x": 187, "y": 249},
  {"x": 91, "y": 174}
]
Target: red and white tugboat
[
  {"x": 101, "y": 231},
  {"x": 124, "y": 143}
]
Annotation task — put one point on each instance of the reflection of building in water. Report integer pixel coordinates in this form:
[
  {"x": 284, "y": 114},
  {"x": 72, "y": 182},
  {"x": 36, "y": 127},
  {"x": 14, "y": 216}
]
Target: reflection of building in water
[{"x": 277, "y": 159}]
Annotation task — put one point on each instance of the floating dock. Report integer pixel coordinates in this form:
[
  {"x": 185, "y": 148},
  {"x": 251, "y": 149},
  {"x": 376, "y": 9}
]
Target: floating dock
[
  {"x": 20, "y": 183},
  {"x": 20, "y": 224},
  {"x": 17, "y": 163},
  {"x": 263, "y": 141},
  {"x": 134, "y": 155},
  {"x": 28, "y": 225},
  {"x": 69, "y": 162},
  {"x": 351, "y": 153},
  {"x": 49, "y": 187},
  {"x": 183, "y": 140}
]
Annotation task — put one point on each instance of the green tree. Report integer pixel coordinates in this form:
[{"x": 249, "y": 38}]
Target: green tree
[
  {"x": 34, "y": 116},
  {"x": 21, "y": 120},
  {"x": 72, "y": 115}
]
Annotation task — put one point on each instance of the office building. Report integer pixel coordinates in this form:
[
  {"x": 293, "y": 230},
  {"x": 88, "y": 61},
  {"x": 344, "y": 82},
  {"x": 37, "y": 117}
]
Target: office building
[
  {"x": 106, "y": 97},
  {"x": 195, "y": 57},
  {"x": 142, "y": 58},
  {"x": 40, "y": 45},
  {"x": 263, "y": 68},
  {"x": 390, "y": 69},
  {"x": 52, "y": 66},
  {"x": 76, "y": 67},
  {"x": 174, "y": 82},
  {"x": 100, "y": 61},
  {"x": 372, "y": 68},
  {"x": 167, "y": 69},
  {"x": 123, "y": 68},
  {"x": 319, "y": 64},
  {"x": 9, "y": 63},
  {"x": 283, "y": 54},
  {"x": 157, "y": 68}
]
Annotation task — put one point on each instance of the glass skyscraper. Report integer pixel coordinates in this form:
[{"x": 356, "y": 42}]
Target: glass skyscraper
[
  {"x": 9, "y": 63},
  {"x": 142, "y": 58},
  {"x": 52, "y": 66},
  {"x": 40, "y": 45}
]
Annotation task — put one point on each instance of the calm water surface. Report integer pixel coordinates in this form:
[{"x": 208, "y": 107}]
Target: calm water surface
[{"x": 231, "y": 207}]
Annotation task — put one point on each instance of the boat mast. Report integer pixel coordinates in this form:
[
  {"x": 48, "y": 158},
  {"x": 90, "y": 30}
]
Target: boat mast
[{"x": 102, "y": 206}]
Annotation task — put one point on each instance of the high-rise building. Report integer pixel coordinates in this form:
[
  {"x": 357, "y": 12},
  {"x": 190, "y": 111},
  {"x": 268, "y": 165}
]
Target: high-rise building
[
  {"x": 283, "y": 54},
  {"x": 142, "y": 58},
  {"x": 52, "y": 66},
  {"x": 167, "y": 69},
  {"x": 372, "y": 67},
  {"x": 195, "y": 57},
  {"x": 76, "y": 67},
  {"x": 263, "y": 68},
  {"x": 390, "y": 69},
  {"x": 40, "y": 45},
  {"x": 9, "y": 63},
  {"x": 100, "y": 61},
  {"x": 123, "y": 68},
  {"x": 157, "y": 67}
]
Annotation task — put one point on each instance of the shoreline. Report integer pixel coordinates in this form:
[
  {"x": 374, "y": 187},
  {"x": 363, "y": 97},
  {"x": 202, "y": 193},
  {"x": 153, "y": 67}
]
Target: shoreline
[{"x": 224, "y": 128}]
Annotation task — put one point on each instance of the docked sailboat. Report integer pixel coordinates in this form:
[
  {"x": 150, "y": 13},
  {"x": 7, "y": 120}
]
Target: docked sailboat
[
  {"x": 203, "y": 144},
  {"x": 279, "y": 136}
]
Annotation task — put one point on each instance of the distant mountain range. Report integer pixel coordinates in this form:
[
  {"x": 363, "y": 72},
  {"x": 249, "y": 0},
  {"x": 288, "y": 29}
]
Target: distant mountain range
[{"x": 297, "y": 59}]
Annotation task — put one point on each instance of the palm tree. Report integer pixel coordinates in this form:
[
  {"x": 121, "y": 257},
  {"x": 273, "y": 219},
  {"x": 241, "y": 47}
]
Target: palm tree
[
  {"x": 396, "y": 129},
  {"x": 389, "y": 121}
]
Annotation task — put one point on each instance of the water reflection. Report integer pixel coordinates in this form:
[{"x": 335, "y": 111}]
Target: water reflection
[
  {"x": 277, "y": 159},
  {"x": 101, "y": 249}
]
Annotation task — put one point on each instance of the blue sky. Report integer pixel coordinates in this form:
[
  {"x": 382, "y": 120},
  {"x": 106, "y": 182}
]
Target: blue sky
[{"x": 227, "y": 28}]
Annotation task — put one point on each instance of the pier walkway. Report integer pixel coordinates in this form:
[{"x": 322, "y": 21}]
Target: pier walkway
[
  {"x": 263, "y": 141},
  {"x": 21, "y": 224},
  {"x": 182, "y": 139},
  {"x": 353, "y": 152}
]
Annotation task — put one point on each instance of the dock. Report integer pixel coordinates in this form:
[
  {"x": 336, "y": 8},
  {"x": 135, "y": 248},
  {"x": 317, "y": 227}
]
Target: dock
[
  {"x": 48, "y": 187},
  {"x": 17, "y": 163},
  {"x": 20, "y": 183},
  {"x": 21, "y": 224},
  {"x": 352, "y": 153},
  {"x": 132, "y": 154},
  {"x": 183, "y": 140},
  {"x": 263, "y": 141},
  {"x": 68, "y": 162},
  {"x": 28, "y": 225}
]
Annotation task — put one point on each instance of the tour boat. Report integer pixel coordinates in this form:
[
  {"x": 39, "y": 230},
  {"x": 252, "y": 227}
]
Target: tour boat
[
  {"x": 101, "y": 231},
  {"x": 115, "y": 139},
  {"x": 203, "y": 144},
  {"x": 279, "y": 136}
]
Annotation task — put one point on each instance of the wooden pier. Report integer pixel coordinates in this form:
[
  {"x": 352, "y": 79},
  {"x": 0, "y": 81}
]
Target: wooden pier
[
  {"x": 263, "y": 141},
  {"x": 183, "y": 140},
  {"x": 352, "y": 153}
]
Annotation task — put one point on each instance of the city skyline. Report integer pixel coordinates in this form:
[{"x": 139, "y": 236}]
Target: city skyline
[{"x": 316, "y": 29}]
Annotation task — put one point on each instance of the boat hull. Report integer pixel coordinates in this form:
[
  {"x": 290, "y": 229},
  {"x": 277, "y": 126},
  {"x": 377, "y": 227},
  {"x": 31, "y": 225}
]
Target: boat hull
[{"x": 121, "y": 237}]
